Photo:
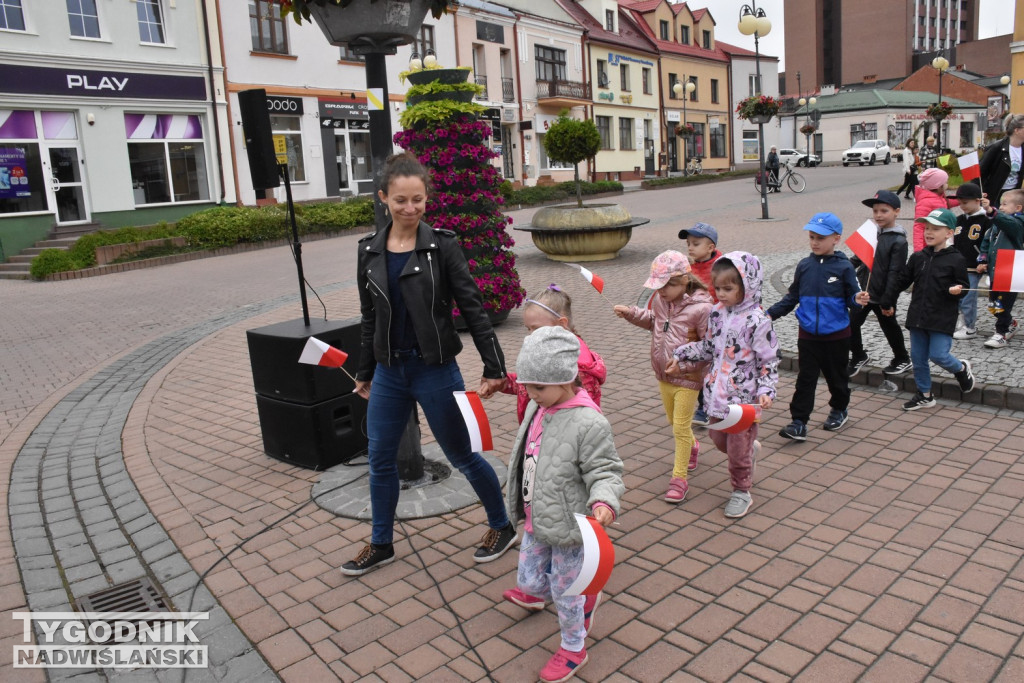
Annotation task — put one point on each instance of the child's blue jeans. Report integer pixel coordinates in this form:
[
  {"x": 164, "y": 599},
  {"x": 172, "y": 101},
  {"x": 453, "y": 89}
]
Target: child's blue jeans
[
  {"x": 394, "y": 391},
  {"x": 927, "y": 345},
  {"x": 969, "y": 302}
]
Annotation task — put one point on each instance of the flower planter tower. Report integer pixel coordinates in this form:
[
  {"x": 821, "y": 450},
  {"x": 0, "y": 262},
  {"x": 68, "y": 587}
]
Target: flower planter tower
[{"x": 447, "y": 135}]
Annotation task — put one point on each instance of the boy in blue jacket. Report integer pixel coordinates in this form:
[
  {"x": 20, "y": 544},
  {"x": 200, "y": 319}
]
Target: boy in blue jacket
[{"x": 824, "y": 290}]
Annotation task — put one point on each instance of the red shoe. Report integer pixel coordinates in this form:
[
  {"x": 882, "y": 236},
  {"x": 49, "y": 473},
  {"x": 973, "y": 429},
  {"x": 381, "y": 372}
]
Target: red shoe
[
  {"x": 563, "y": 665},
  {"x": 677, "y": 489},
  {"x": 524, "y": 600},
  {"x": 694, "y": 452}
]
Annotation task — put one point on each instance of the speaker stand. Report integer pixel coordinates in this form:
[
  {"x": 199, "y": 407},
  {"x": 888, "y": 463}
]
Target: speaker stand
[{"x": 296, "y": 245}]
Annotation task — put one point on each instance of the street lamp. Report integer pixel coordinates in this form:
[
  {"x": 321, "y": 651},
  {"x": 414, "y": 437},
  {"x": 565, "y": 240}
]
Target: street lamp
[
  {"x": 684, "y": 91},
  {"x": 754, "y": 22},
  {"x": 810, "y": 103},
  {"x": 941, "y": 64}
]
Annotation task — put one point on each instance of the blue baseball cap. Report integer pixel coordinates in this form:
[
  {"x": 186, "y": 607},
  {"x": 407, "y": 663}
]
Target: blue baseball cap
[
  {"x": 825, "y": 224},
  {"x": 700, "y": 230}
]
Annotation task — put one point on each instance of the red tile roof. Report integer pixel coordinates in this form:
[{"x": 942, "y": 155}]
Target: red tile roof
[
  {"x": 630, "y": 35},
  {"x": 641, "y": 5},
  {"x": 734, "y": 51},
  {"x": 670, "y": 47}
]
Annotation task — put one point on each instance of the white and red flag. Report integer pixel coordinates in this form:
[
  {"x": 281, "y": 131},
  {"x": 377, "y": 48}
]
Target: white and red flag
[
  {"x": 321, "y": 353},
  {"x": 740, "y": 418},
  {"x": 598, "y": 558},
  {"x": 969, "y": 167},
  {"x": 864, "y": 242},
  {"x": 476, "y": 420},
  {"x": 1009, "y": 275},
  {"x": 590, "y": 277}
]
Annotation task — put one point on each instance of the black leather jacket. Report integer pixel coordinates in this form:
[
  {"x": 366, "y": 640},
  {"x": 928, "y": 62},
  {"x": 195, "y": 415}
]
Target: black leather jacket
[
  {"x": 435, "y": 276},
  {"x": 995, "y": 169}
]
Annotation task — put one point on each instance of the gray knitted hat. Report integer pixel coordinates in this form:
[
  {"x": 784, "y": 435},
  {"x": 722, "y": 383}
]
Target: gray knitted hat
[{"x": 550, "y": 355}]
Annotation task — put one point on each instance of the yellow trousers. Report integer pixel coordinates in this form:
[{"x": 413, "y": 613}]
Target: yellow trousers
[{"x": 680, "y": 404}]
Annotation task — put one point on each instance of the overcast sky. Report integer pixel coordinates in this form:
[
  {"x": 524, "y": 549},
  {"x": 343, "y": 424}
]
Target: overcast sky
[{"x": 996, "y": 18}]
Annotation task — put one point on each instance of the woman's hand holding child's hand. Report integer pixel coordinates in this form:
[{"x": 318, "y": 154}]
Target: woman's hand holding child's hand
[
  {"x": 620, "y": 310},
  {"x": 603, "y": 515},
  {"x": 956, "y": 289},
  {"x": 765, "y": 400},
  {"x": 488, "y": 386}
]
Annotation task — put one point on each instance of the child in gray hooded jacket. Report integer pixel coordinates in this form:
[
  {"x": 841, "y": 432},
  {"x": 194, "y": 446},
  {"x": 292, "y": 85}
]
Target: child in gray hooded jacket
[{"x": 564, "y": 461}]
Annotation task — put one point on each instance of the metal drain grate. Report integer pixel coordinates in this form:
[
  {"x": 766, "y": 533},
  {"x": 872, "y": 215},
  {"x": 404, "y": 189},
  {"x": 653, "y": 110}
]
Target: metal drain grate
[{"x": 135, "y": 596}]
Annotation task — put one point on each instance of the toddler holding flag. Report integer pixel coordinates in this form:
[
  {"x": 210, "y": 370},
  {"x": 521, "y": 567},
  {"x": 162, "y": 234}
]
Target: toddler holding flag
[
  {"x": 744, "y": 354},
  {"x": 678, "y": 314},
  {"x": 1007, "y": 232},
  {"x": 563, "y": 462},
  {"x": 554, "y": 307}
]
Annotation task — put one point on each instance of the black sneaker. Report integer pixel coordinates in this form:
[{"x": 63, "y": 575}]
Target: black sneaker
[
  {"x": 836, "y": 419},
  {"x": 965, "y": 377},
  {"x": 897, "y": 366},
  {"x": 919, "y": 401},
  {"x": 855, "y": 366},
  {"x": 795, "y": 430},
  {"x": 370, "y": 557},
  {"x": 495, "y": 543}
]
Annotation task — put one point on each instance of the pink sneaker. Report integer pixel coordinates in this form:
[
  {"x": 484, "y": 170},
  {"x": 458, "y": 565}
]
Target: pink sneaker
[
  {"x": 694, "y": 452},
  {"x": 677, "y": 489},
  {"x": 589, "y": 607},
  {"x": 563, "y": 665},
  {"x": 524, "y": 600}
]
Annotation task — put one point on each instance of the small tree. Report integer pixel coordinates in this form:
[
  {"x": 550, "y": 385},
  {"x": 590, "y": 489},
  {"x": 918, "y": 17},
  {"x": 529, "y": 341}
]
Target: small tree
[{"x": 570, "y": 141}]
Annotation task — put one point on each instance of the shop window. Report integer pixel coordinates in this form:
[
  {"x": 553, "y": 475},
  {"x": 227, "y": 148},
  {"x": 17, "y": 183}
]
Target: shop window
[
  {"x": 267, "y": 27},
  {"x": 626, "y": 138},
  {"x": 966, "y": 134},
  {"x": 604, "y": 128},
  {"x": 550, "y": 164},
  {"x": 22, "y": 188},
  {"x": 151, "y": 23},
  {"x": 750, "y": 146},
  {"x": 863, "y": 131},
  {"x": 425, "y": 40},
  {"x": 288, "y": 127},
  {"x": 902, "y": 134},
  {"x": 12, "y": 16},
  {"x": 717, "y": 142},
  {"x": 695, "y": 142},
  {"x": 167, "y": 158},
  {"x": 83, "y": 18}
]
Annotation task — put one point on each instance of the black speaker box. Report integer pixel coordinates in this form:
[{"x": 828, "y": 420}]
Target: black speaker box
[
  {"x": 314, "y": 436},
  {"x": 259, "y": 140},
  {"x": 274, "y": 353}
]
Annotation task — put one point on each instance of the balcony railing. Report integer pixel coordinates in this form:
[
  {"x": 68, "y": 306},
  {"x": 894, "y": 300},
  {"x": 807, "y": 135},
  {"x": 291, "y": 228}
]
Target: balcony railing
[
  {"x": 563, "y": 89},
  {"x": 508, "y": 90},
  {"x": 481, "y": 80}
]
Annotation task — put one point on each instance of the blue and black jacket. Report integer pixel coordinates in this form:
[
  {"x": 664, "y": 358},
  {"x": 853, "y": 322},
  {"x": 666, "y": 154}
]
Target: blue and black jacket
[{"x": 822, "y": 293}]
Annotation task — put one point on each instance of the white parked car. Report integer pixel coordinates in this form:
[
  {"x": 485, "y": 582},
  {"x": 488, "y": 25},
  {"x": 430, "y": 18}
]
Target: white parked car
[
  {"x": 794, "y": 156},
  {"x": 867, "y": 152}
]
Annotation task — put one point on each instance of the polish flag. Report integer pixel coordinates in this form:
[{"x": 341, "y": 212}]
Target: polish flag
[
  {"x": 741, "y": 416},
  {"x": 317, "y": 352},
  {"x": 593, "y": 279},
  {"x": 969, "y": 167},
  {"x": 1009, "y": 275},
  {"x": 864, "y": 242},
  {"x": 476, "y": 420},
  {"x": 598, "y": 558}
]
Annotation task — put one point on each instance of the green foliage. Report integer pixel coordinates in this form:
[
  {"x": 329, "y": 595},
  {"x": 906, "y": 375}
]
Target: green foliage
[
  {"x": 51, "y": 261},
  {"x": 224, "y": 226},
  {"x": 672, "y": 181},
  {"x": 548, "y": 193},
  {"x": 437, "y": 87},
  {"x": 570, "y": 141},
  {"x": 331, "y": 216},
  {"x": 437, "y": 111},
  {"x": 83, "y": 252},
  {"x": 505, "y": 189}
]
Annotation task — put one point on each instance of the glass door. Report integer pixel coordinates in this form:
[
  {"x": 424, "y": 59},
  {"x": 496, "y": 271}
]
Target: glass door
[
  {"x": 66, "y": 187},
  {"x": 341, "y": 157},
  {"x": 362, "y": 162}
]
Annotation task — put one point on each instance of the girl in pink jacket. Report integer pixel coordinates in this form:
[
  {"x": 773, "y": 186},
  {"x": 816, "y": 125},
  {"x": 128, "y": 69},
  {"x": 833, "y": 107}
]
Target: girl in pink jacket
[
  {"x": 930, "y": 194},
  {"x": 550, "y": 308},
  {"x": 678, "y": 314}
]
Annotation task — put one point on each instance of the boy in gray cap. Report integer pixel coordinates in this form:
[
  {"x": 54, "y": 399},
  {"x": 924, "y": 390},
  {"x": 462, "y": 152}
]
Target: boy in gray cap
[{"x": 564, "y": 461}]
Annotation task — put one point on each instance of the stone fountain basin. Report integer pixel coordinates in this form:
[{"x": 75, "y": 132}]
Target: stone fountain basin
[{"x": 595, "y": 232}]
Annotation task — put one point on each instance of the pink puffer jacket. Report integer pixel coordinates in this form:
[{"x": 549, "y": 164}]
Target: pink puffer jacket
[
  {"x": 926, "y": 201},
  {"x": 671, "y": 326}
]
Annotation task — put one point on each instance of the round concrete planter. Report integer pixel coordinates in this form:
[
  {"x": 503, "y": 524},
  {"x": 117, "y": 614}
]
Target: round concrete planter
[{"x": 568, "y": 233}]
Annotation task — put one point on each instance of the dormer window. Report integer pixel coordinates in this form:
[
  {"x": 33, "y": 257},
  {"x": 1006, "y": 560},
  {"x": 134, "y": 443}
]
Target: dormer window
[{"x": 609, "y": 20}]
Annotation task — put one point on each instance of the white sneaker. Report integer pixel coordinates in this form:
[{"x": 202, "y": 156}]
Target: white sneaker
[
  {"x": 965, "y": 333},
  {"x": 1012, "y": 331},
  {"x": 996, "y": 341}
]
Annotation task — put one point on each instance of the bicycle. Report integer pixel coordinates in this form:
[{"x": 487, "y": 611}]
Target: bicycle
[
  {"x": 693, "y": 166},
  {"x": 794, "y": 180}
]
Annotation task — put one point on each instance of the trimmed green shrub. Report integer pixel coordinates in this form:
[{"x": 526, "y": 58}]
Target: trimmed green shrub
[
  {"x": 83, "y": 252},
  {"x": 336, "y": 216},
  {"x": 549, "y": 193},
  {"x": 51, "y": 261},
  {"x": 224, "y": 226}
]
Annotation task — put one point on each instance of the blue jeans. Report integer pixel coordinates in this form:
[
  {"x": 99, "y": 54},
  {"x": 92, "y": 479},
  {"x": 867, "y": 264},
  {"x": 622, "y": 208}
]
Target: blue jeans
[
  {"x": 394, "y": 392},
  {"x": 969, "y": 302},
  {"x": 927, "y": 345}
]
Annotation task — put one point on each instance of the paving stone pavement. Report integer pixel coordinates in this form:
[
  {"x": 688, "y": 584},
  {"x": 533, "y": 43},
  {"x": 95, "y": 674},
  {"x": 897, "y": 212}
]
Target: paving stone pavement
[{"x": 888, "y": 551}]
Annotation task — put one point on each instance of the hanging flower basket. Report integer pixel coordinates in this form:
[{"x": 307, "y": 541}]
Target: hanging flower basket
[
  {"x": 684, "y": 130},
  {"x": 939, "y": 110},
  {"x": 758, "y": 108},
  {"x": 807, "y": 129}
]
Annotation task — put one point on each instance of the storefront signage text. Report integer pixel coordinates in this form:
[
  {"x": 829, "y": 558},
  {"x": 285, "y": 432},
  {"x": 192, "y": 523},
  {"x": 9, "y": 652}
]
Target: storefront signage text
[
  {"x": 614, "y": 59},
  {"x": 610, "y": 96},
  {"x": 284, "y": 105},
  {"x": 40, "y": 80}
]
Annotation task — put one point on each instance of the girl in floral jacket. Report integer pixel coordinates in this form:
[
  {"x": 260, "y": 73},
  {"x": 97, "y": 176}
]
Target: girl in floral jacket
[{"x": 744, "y": 351}]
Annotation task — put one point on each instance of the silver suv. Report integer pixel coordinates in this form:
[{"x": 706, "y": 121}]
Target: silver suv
[{"x": 867, "y": 152}]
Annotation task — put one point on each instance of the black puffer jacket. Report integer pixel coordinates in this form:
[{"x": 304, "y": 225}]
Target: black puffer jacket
[
  {"x": 435, "y": 277},
  {"x": 890, "y": 259},
  {"x": 995, "y": 169},
  {"x": 932, "y": 273}
]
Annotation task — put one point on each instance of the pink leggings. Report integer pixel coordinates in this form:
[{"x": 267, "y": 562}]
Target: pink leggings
[{"x": 740, "y": 449}]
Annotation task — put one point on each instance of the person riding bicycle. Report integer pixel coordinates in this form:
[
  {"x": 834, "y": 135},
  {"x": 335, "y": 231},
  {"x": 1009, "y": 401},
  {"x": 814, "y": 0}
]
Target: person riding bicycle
[{"x": 772, "y": 165}]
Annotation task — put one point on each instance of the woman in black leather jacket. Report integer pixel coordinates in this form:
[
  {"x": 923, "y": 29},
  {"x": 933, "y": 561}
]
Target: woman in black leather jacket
[
  {"x": 409, "y": 276},
  {"x": 1000, "y": 165}
]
